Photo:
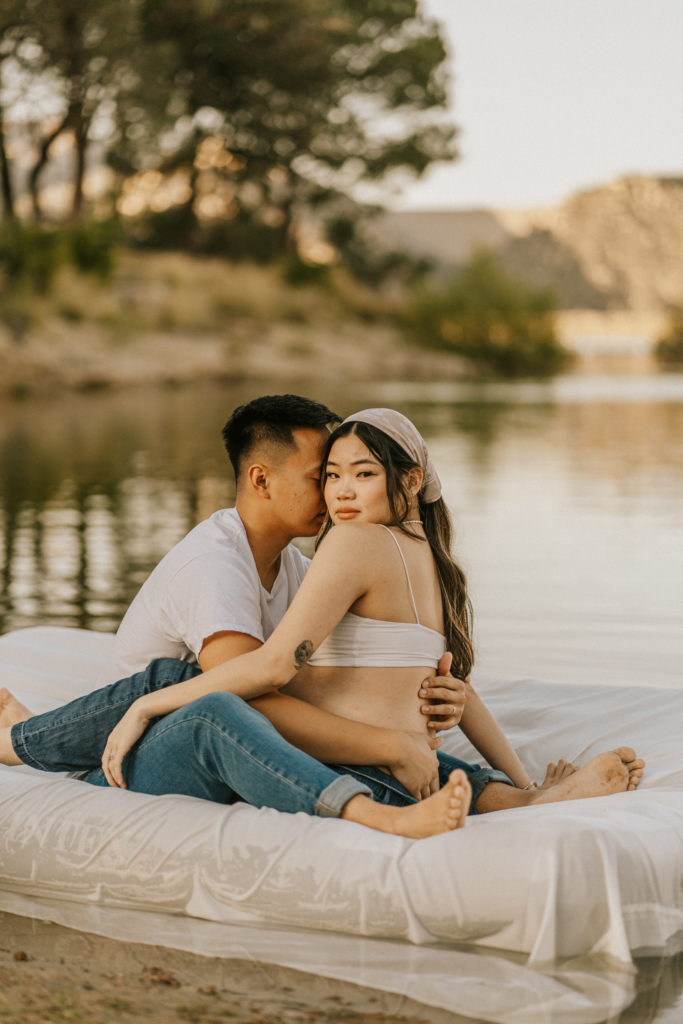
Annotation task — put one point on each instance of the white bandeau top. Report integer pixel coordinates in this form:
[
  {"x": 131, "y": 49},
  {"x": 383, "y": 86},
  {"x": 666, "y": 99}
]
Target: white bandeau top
[{"x": 359, "y": 641}]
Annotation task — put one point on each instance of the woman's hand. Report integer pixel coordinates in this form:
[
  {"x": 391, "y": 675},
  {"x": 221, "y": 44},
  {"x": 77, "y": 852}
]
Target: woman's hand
[
  {"x": 416, "y": 766},
  {"x": 122, "y": 737},
  {"x": 444, "y": 697}
]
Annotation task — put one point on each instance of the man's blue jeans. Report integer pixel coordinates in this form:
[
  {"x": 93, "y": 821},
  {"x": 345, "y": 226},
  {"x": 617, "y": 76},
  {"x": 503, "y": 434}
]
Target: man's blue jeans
[{"x": 217, "y": 748}]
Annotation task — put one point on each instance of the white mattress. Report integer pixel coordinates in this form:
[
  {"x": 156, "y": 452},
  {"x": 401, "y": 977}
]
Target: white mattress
[{"x": 598, "y": 878}]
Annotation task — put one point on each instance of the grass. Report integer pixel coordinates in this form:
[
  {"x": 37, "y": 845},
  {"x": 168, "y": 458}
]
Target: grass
[{"x": 174, "y": 292}]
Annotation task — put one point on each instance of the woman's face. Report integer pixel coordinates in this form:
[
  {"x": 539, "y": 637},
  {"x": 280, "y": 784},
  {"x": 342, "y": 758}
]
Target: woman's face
[{"x": 355, "y": 484}]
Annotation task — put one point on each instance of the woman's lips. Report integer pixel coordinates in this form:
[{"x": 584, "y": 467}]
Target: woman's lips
[{"x": 346, "y": 513}]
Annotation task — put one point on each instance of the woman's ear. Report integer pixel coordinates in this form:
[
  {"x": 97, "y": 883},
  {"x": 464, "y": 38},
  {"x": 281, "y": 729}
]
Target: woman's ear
[{"x": 415, "y": 480}]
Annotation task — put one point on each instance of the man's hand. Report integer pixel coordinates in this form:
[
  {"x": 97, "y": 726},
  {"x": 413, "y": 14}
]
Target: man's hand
[
  {"x": 444, "y": 697},
  {"x": 415, "y": 765},
  {"x": 122, "y": 737}
]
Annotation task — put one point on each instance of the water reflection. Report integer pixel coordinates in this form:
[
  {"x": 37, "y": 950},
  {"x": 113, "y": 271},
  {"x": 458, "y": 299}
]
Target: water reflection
[
  {"x": 569, "y": 513},
  {"x": 658, "y": 992},
  {"x": 93, "y": 492}
]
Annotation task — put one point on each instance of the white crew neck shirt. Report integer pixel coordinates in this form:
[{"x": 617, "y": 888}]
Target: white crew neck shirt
[{"x": 208, "y": 583}]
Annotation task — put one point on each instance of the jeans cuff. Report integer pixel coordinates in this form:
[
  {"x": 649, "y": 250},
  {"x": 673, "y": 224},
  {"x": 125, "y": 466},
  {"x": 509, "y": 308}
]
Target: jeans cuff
[
  {"x": 334, "y": 797},
  {"x": 20, "y": 749}
]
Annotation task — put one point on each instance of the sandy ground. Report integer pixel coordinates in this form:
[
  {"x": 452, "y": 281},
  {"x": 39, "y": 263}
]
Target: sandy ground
[{"x": 50, "y": 973}]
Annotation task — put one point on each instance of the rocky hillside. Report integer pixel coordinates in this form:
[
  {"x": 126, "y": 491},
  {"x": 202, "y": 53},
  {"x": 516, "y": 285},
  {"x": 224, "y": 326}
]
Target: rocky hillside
[{"x": 617, "y": 247}]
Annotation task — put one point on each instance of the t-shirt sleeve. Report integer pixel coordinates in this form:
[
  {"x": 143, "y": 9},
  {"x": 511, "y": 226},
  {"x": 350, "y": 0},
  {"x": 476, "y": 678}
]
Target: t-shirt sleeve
[{"x": 215, "y": 591}]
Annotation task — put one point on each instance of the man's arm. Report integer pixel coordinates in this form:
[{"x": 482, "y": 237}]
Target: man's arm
[{"x": 327, "y": 737}]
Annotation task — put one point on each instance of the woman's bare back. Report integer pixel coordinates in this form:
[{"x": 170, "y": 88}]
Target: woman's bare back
[{"x": 382, "y": 695}]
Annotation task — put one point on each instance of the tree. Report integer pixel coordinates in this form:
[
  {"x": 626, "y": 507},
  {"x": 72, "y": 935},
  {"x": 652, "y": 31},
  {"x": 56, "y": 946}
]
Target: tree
[
  {"x": 255, "y": 106},
  {"x": 285, "y": 101},
  {"x": 78, "y": 60},
  {"x": 489, "y": 318}
]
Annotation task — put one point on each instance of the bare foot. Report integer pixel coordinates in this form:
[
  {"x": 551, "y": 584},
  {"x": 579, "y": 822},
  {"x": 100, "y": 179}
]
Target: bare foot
[
  {"x": 11, "y": 710},
  {"x": 606, "y": 774},
  {"x": 441, "y": 812},
  {"x": 634, "y": 764},
  {"x": 555, "y": 773}
]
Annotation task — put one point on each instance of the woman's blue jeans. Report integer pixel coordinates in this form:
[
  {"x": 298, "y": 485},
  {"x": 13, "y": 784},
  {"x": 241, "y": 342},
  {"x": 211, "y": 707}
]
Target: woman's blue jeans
[{"x": 218, "y": 748}]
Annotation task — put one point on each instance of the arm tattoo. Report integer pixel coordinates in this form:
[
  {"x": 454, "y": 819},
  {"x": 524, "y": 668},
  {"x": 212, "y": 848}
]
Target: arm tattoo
[{"x": 303, "y": 653}]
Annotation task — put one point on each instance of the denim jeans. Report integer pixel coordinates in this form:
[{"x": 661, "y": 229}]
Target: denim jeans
[
  {"x": 388, "y": 790},
  {"x": 217, "y": 748}
]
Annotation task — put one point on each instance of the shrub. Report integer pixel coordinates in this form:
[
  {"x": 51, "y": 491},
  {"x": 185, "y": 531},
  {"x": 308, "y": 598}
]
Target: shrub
[
  {"x": 490, "y": 318},
  {"x": 299, "y": 272},
  {"x": 30, "y": 253},
  {"x": 669, "y": 348},
  {"x": 91, "y": 244},
  {"x": 177, "y": 228},
  {"x": 18, "y": 312}
]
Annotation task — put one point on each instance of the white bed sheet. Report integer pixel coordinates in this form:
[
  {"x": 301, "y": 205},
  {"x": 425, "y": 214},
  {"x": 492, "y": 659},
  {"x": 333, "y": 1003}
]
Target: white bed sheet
[{"x": 594, "y": 879}]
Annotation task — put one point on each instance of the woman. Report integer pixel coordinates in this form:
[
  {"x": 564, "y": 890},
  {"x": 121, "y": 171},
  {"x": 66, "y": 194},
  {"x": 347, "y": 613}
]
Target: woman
[{"x": 380, "y": 603}]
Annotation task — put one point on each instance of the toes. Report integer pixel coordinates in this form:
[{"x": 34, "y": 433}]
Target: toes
[
  {"x": 460, "y": 798},
  {"x": 626, "y": 754}
]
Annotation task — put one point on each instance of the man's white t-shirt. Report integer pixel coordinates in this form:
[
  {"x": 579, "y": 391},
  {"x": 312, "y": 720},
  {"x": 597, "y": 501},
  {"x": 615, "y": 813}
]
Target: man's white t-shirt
[{"x": 208, "y": 583}]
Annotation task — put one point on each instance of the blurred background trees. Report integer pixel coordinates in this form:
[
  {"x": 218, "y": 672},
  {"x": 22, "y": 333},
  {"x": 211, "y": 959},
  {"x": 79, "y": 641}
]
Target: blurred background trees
[
  {"x": 260, "y": 130},
  {"x": 223, "y": 124}
]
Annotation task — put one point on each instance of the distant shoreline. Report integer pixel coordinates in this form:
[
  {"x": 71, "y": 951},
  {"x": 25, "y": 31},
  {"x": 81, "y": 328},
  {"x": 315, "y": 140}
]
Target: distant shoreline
[{"x": 170, "y": 319}]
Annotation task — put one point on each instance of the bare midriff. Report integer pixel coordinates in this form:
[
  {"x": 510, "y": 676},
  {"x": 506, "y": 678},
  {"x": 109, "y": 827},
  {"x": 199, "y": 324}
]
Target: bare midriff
[{"x": 385, "y": 697}]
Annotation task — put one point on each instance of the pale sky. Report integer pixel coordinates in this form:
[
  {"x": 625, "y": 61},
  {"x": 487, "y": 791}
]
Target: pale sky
[{"x": 553, "y": 96}]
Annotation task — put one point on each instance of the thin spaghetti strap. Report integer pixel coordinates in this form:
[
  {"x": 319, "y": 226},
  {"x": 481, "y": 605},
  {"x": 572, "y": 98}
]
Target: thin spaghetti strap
[{"x": 405, "y": 566}]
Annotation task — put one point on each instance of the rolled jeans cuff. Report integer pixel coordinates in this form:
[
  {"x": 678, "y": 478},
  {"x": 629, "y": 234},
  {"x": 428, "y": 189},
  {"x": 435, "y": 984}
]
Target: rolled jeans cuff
[
  {"x": 337, "y": 794},
  {"x": 20, "y": 748}
]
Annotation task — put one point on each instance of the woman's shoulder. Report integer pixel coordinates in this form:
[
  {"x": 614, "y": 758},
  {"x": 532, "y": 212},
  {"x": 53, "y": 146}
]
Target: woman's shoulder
[
  {"x": 356, "y": 540},
  {"x": 355, "y": 533}
]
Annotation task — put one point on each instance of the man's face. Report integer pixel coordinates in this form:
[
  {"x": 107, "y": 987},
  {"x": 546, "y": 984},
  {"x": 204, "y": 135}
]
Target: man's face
[{"x": 295, "y": 485}]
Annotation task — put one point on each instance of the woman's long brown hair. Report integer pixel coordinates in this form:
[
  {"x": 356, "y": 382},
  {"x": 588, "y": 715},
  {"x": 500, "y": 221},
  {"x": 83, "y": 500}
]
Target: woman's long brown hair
[{"x": 455, "y": 602}]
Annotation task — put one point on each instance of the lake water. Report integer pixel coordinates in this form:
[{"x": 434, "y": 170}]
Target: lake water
[{"x": 567, "y": 498}]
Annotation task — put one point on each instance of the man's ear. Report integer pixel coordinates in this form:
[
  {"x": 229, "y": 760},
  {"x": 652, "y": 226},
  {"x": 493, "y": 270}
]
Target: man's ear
[
  {"x": 415, "y": 478},
  {"x": 258, "y": 476}
]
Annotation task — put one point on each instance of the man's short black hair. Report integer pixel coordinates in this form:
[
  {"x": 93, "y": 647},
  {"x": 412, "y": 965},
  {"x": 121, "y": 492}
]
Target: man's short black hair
[{"x": 272, "y": 418}]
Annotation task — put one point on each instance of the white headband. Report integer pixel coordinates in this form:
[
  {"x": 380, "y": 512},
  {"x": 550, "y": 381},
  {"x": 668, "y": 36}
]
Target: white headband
[{"x": 400, "y": 429}]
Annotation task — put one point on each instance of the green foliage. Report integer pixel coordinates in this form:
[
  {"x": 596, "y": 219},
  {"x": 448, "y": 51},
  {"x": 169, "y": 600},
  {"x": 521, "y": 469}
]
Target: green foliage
[
  {"x": 31, "y": 254},
  {"x": 298, "y": 272},
  {"x": 18, "y": 311},
  {"x": 178, "y": 229},
  {"x": 669, "y": 348},
  {"x": 258, "y": 110},
  {"x": 489, "y": 318},
  {"x": 90, "y": 245}
]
